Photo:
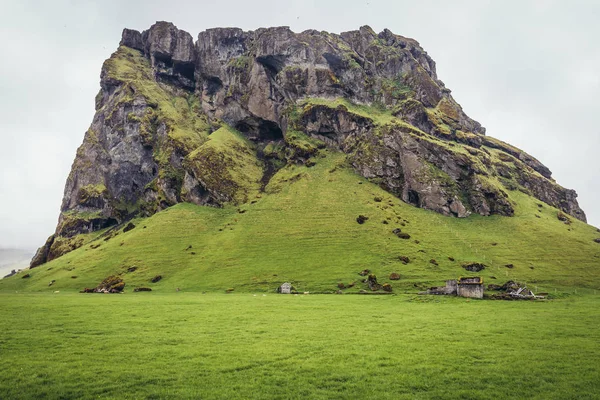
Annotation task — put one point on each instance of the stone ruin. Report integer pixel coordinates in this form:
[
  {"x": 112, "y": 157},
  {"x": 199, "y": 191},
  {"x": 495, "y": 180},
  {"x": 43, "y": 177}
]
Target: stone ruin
[
  {"x": 463, "y": 287},
  {"x": 513, "y": 291},
  {"x": 470, "y": 287},
  {"x": 473, "y": 287},
  {"x": 285, "y": 288}
]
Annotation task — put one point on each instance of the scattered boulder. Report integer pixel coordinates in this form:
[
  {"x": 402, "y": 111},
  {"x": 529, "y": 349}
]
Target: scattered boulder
[
  {"x": 142, "y": 289},
  {"x": 129, "y": 227},
  {"x": 372, "y": 283},
  {"x": 156, "y": 278},
  {"x": 361, "y": 219},
  {"x": 403, "y": 235},
  {"x": 341, "y": 285},
  {"x": 351, "y": 284},
  {"x": 433, "y": 261},
  {"x": 26, "y": 276},
  {"x": 474, "y": 267},
  {"x": 451, "y": 259},
  {"x": 510, "y": 285},
  {"x": 52, "y": 282},
  {"x": 364, "y": 272},
  {"x": 111, "y": 284},
  {"x": 509, "y": 266},
  {"x": 404, "y": 259},
  {"x": 394, "y": 276},
  {"x": 87, "y": 290},
  {"x": 597, "y": 240},
  {"x": 229, "y": 290},
  {"x": 378, "y": 199},
  {"x": 384, "y": 222},
  {"x": 387, "y": 287},
  {"x": 131, "y": 269},
  {"x": 74, "y": 277},
  {"x": 563, "y": 217}
]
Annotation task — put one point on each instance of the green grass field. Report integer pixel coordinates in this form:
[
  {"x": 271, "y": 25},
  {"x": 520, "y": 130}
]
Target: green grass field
[{"x": 218, "y": 346}]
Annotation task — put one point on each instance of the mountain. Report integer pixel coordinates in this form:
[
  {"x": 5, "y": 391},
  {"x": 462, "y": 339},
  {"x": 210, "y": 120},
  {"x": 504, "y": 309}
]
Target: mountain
[{"x": 305, "y": 154}]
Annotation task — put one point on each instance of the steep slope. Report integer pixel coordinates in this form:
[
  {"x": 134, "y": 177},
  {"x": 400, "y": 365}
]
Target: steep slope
[{"x": 215, "y": 122}]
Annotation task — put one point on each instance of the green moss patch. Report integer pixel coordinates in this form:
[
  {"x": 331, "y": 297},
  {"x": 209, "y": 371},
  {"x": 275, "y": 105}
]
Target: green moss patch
[{"x": 227, "y": 165}]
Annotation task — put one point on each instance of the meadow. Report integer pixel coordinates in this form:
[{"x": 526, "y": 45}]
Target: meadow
[{"x": 218, "y": 346}]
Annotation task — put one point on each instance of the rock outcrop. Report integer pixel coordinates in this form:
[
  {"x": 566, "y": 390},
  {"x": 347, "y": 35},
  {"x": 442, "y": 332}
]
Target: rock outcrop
[{"x": 209, "y": 122}]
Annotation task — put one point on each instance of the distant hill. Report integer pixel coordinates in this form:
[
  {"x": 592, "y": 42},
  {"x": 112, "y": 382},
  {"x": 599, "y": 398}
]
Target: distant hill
[{"x": 14, "y": 259}]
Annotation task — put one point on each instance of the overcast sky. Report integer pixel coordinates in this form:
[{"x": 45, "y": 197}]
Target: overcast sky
[{"x": 529, "y": 71}]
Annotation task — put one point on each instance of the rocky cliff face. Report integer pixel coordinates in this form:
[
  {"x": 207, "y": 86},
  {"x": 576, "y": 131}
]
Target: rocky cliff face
[{"x": 209, "y": 122}]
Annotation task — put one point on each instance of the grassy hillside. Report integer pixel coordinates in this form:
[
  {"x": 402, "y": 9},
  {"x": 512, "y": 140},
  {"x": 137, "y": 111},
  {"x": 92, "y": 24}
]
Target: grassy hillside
[{"x": 303, "y": 229}]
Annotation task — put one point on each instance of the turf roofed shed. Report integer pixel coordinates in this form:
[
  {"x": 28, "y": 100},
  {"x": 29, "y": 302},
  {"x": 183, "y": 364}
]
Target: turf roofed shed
[{"x": 470, "y": 287}]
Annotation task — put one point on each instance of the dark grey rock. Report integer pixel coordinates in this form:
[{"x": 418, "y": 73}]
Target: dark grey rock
[{"x": 132, "y": 38}]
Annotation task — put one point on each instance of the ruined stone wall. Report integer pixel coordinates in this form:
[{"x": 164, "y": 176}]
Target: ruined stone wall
[{"x": 474, "y": 291}]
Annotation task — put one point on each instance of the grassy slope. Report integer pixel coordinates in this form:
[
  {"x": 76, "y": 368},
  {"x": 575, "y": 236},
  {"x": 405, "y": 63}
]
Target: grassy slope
[
  {"x": 217, "y": 346},
  {"x": 304, "y": 230}
]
